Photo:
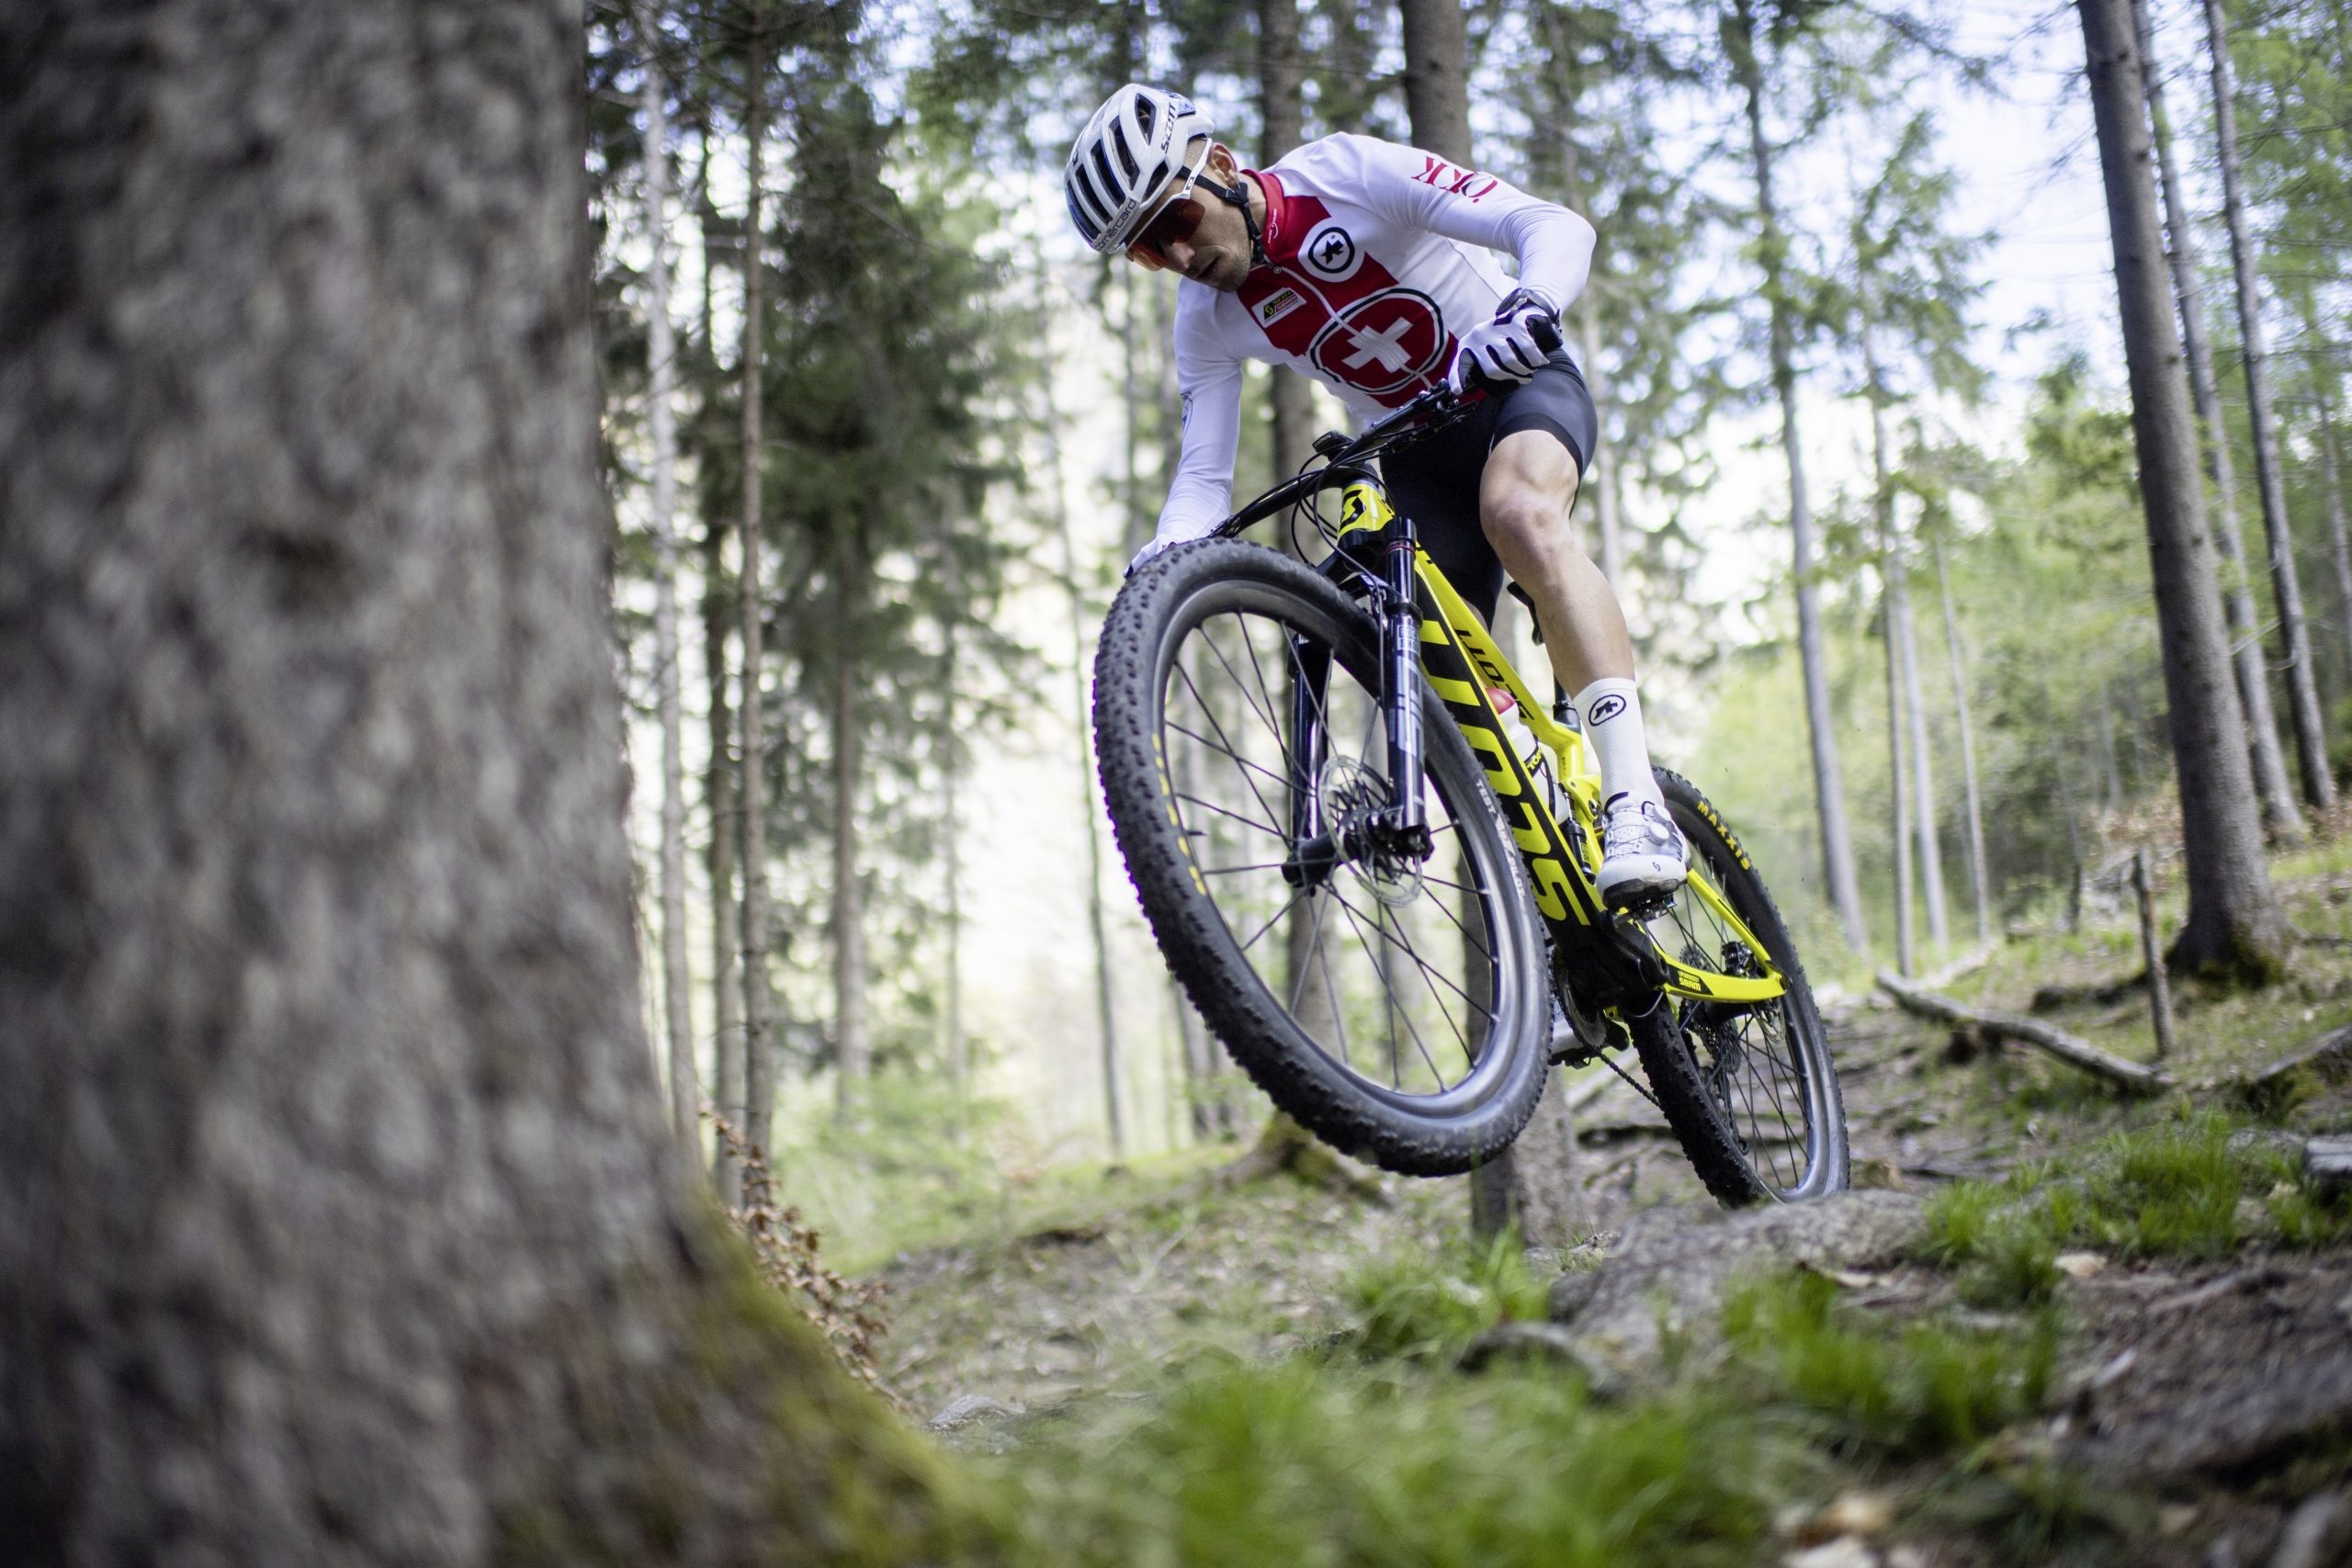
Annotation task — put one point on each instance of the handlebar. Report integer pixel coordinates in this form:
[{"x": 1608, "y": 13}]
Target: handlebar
[{"x": 1345, "y": 456}]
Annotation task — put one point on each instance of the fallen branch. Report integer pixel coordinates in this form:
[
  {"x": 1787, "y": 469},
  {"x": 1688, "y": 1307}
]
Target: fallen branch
[
  {"x": 2133, "y": 1077},
  {"x": 2331, "y": 1051}
]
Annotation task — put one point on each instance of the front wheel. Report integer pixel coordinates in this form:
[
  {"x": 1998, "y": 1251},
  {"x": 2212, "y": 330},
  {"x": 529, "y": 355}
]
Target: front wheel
[
  {"x": 1395, "y": 1002},
  {"x": 1751, "y": 1091}
]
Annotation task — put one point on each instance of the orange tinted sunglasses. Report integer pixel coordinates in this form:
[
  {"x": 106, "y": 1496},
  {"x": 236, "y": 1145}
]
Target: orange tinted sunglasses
[{"x": 1178, "y": 221}]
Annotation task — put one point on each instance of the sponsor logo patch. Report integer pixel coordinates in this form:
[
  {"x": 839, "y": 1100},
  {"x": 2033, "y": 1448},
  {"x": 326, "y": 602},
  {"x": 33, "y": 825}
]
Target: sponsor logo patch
[
  {"x": 1277, "y": 305},
  {"x": 1605, "y": 710},
  {"x": 1330, "y": 251}
]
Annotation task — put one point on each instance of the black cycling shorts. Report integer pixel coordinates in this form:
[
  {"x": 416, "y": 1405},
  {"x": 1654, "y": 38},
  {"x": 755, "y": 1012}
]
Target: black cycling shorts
[{"x": 1436, "y": 483}]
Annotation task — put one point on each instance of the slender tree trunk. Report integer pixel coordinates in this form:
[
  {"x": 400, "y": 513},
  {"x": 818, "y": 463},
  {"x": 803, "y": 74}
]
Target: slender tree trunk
[
  {"x": 951, "y": 779},
  {"x": 853, "y": 1050},
  {"x": 340, "y": 1215},
  {"x": 1098, "y": 925},
  {"x": 2270, "y": 479},
  {"x": 1906, "y": 646},
  {"x": 2339, "y": 546},
  {"x": 2279, "y": 809},
  {"x": 685, "y": 1098},
  {"x": 2235, "y": 923},
  {"x": 1437, "y": 77},
  {"x": 1600, "y": 473},
  {"x": 759, "y": 1084},
  {"x": 1829, "y": 792},
  {"x": 718, "y": 613},
  {"x": 726, "y": 925},
  {"x": 1980, "y": 883},
  {"x": 1898, "y": 769}
]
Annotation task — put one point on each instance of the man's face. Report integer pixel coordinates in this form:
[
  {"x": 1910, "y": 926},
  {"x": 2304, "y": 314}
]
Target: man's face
[{"x": 1217, "y": 251}]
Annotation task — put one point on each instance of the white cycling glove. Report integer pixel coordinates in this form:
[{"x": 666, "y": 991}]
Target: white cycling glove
[
  {"x": 1170, "y": 536},
  {"x": 1505, "y": 348}
]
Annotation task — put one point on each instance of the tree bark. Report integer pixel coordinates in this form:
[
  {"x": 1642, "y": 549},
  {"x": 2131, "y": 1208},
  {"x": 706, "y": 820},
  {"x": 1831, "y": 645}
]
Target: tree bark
[
  {"x": 759, "y": 1082},
  {"x": 1600, "y": 473},
  {"x": 340, "y": 1215},
  {"x": 1829, "y": 791},
  {"x": 685, "y": 1095},
  {"x": 2235, "y": 923},
  {"x": 1979, "y": 880},
  {"x": 2270, "y": 480},
  {"x": 951, "y": 772},
  {"x": 1437, "y": 77},
  {"x": 852, "y": 1046},
  {"x": 2280, "y": 812}
]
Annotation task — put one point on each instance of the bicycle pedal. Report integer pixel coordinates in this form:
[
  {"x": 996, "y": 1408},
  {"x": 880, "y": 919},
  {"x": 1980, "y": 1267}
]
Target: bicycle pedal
[{"x": 1653, "y": 906}]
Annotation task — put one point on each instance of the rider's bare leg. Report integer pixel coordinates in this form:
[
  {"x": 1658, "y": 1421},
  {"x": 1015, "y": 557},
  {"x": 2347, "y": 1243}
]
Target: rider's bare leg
[{"x": 1523, "y": 499}]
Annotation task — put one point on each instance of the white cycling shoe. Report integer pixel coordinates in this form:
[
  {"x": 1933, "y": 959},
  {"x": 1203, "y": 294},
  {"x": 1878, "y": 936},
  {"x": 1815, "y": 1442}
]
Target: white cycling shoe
[{"x": 1642, "y": 856}]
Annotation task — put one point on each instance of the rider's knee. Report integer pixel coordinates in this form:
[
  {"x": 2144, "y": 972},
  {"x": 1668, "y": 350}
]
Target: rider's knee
[{"x": 1527, "y": 517}]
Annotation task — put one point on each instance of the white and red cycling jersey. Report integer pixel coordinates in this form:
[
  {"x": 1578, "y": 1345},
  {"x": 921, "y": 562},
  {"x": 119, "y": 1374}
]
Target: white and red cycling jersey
[{"x": 1381, "y": 257}]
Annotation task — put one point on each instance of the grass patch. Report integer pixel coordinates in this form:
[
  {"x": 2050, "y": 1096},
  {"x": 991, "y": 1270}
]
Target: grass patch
[
  {"x": 1903, "y": 1393},
  {"x": 2177, "y": 1188},
  {"x": 1416, "y": 1305},
  {"x": 1311, "y": 1465}
]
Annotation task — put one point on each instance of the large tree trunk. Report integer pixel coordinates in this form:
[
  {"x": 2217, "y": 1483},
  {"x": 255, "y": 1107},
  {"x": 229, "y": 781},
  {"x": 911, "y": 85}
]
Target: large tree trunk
[
  {"x": 1601, "y": 471},
  {"x": 850, "y": 1043},
  {"x": 759, "y": 1080},
  {"x": 1531, "y": 1183},
  {"x": 2270, "y": 479},
  {"x": 1829, "y": 788},
  {"x": 2279, "y": 809},
  {"x": 2234, "y": 923},
  {"x": 1437, "y": 77},
  {"x": 686, "y": 1097},
  {"x": 951, "y": 779},
  {"x": 1979, "y": 880},
  {"x": 339, "y": 1210},
  {"x": 2339, "y": 545}
]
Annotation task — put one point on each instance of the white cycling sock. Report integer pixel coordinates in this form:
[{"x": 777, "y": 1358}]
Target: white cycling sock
[{"x": 1612, "y": 711}]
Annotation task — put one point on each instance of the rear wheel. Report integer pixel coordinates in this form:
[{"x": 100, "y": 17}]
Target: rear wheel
[
  {"x": 1751, "y": 1091},
  {"x": 1393, "y": 1002}
]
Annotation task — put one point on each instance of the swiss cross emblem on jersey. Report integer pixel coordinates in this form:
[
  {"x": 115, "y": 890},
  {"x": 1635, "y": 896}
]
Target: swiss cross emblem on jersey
[{"x": 1382, "y": 343}]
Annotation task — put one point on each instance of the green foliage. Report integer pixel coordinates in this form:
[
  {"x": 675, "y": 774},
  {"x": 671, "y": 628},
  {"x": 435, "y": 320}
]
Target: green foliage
[
  {"x": 1906, "y": 1392},
  {"x": 1306, "y": 1464},
  {"x": 1419, "y": 1305},
  {"x": 2175, "y": 1188}
]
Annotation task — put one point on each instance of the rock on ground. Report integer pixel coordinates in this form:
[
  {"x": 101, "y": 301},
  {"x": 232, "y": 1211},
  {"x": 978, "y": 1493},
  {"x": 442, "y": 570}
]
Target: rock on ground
[{"x": 1669, "y": 1272}]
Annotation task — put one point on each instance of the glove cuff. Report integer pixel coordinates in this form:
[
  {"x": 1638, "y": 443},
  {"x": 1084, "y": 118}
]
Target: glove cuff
[{"x": 1520, "y": 300}]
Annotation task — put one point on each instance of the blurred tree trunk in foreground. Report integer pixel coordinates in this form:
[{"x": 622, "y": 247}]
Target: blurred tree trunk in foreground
[
  {"x": 340, "y": 1216},
  {"x": 2234, "y": 923}
]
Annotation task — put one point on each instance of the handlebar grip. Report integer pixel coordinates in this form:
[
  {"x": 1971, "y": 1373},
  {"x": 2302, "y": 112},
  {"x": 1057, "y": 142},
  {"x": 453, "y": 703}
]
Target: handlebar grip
[{"x": 1545, "y": 331}]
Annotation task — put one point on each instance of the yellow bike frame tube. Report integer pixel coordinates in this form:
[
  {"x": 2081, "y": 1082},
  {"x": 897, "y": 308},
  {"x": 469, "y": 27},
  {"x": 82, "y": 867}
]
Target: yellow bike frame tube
[{"x": 1463, "y": 666}]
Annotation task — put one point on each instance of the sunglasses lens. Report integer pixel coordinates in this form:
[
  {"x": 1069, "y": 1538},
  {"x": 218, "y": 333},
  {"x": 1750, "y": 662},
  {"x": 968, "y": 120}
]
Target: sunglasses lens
[{"x": 1173, "y": 224}]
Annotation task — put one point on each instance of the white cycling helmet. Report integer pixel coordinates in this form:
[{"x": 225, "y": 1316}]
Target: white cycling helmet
[{"x": 1124, "y": 158}]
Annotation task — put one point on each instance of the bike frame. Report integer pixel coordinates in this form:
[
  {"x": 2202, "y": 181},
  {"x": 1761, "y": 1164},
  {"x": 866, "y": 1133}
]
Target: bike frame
[{"x": 1426, "y": 626}]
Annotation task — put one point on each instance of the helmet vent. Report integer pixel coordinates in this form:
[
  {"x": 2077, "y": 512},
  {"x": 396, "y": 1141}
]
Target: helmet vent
[
  {"x": 1147, "y": 116},
  {"x": 1127, "y": 154}
]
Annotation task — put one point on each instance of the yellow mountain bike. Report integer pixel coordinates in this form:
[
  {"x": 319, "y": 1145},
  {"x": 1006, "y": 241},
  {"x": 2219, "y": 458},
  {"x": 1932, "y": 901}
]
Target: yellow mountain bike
[{"x": 1367, "y": 856}]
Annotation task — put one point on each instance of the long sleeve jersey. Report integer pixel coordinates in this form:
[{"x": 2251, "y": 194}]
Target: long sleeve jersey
[{"x": 1381, "y": 256}]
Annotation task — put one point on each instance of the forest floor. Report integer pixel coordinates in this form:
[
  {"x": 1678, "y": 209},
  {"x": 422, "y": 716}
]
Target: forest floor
[{"x": 2060, "y": 1326}]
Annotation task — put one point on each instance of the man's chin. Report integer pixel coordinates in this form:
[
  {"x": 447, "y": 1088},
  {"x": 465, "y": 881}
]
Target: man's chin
[{"x": 1227, "y": 275}]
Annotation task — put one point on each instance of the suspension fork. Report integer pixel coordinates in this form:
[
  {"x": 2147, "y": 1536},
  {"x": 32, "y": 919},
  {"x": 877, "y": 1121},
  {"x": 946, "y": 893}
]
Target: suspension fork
[
  {"x": 1310, "y": 681},
  {"x": 1400, "y": 689}
]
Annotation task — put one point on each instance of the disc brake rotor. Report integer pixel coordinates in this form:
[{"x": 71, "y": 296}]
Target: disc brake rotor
[{"x": 1350, "y": 793}]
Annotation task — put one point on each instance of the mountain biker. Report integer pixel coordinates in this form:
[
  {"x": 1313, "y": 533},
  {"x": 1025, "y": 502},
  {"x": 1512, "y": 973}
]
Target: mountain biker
[{"x": 1366, "y": 266}]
